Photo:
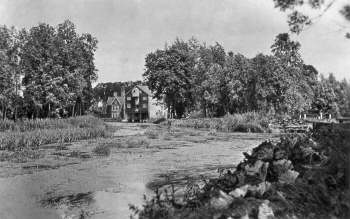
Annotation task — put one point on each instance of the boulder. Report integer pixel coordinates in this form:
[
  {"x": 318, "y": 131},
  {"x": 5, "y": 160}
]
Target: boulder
[
  {"x": 288, "y": 177},
  {"x": 265, "y": 211},
  {"x": 263, "y": 187},
  {"x": 281, "y": 166},
  {"x": 221, "y": 200},
  {"x": 264, "y": 151},
  {"x": 280, "y": 153},
  {"x": 239, "y": 192},
  {"x": 258, "y": 170}
]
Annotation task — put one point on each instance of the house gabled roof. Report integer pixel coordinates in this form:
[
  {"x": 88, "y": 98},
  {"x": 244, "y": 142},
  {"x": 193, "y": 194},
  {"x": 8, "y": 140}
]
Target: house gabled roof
[
  {"x": 121, "y": 100},
  {"x": 145, "y": 89},
  {"x": 110, "y": 100}
]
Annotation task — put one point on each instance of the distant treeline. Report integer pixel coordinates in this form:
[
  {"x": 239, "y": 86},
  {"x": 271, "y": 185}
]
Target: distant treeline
[
  {"x": 193, "y": 77},
  {"x": 46, "y": 71}
]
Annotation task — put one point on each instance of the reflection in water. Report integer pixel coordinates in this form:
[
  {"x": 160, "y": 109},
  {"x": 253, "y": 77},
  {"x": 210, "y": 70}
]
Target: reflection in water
[{"x": 104, "y": 187}]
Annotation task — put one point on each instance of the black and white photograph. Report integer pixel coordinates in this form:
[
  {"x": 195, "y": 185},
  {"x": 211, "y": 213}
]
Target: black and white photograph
[{"x": 174, "y": 109}]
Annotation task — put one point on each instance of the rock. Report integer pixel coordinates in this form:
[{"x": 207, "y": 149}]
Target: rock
[
  {"x": 221, "y": 201},
  {"x": 288, "y": 177},
  {"x": 264, "y": 151},
  {"x": 281, "y": 166},
  {"x": 265, "y": 211},
  {"x": 263, "y": 187},
  {"x": 258, "y": 169},
  {"x": 255, "y": 168},
  {"x": 239, "y": 192},
  {"x": 260, "y": 189},
  {"x": 279, "y": 153}
]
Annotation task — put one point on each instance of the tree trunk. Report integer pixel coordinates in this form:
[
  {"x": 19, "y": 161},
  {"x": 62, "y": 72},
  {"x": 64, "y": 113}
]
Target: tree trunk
[
  {"x": 3, "y": 112},
  {"x": 49, "y": 112},
  {"x": 73, "y": 110}
]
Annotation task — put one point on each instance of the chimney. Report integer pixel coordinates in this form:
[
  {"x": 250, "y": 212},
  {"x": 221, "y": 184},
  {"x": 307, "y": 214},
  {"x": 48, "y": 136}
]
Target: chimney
[
  {"x": 122, "y": 94},
  {"x": 122, "y": 91}
]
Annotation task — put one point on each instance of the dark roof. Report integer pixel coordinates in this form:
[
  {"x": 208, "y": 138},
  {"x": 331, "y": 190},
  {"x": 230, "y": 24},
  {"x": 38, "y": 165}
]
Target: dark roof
[
  {"x": 110, "y": 100},
  {"x": 145, "y": 89}
]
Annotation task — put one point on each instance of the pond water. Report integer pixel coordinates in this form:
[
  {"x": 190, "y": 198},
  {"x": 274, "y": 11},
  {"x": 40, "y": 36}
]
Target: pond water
[{"x": 59, "y": 186}]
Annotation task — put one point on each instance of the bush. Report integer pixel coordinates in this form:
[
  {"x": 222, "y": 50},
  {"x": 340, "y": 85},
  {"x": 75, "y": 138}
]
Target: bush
[
  {"x": 137, "y": 142},
  {"x": 152, "y": 134},
  {"x": 102, "y": 150}
]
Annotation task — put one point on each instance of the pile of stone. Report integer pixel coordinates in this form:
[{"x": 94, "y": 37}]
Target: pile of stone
[
  {"x": 287, "y": 179},
  {"x": 300, "y": 176}
]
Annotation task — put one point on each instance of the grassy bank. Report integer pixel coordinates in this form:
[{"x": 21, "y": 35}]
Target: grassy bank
[
  {"x": 246, "y": 122},
  {"x": 33, "y": 133}
]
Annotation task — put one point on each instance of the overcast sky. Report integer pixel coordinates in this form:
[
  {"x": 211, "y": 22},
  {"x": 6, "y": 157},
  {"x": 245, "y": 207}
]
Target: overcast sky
[{"x": 129, "y": 29}]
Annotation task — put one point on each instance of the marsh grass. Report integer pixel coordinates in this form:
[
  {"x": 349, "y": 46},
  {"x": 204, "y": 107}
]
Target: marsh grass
[
  {"x": 30, "y": 125},
  {"x": 167, "y": 137},
  {"x": 152, "y": 134},
  {"x": 21, "y": 156},
  {"x": 33, "y": 139},
  {"x": 246, "y": 122},
  {"x": 32, "y": 134},
  {"x": 102, "y": 150},
  {"x": 136, "y": 142}
]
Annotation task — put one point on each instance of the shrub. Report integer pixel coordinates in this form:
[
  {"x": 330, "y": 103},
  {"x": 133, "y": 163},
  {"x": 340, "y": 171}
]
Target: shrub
[
  {"x": 102, "y": 150},
  {"x": 137, "y": 142},
  {"x": 152, "y": 134}
]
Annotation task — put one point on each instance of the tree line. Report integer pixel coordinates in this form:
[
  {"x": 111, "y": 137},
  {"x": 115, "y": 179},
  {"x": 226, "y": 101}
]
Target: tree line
[
  {"x": 190, "y": 76},
  {"x": 46, "y": 71}
]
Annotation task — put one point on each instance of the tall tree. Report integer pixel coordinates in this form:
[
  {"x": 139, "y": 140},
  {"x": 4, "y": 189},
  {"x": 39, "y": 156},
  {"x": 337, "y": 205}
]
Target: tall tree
[
  {"x": 169, "y": 75},
  {"x": 10, "y": 72},
  {"x": 59, "y": 69}
]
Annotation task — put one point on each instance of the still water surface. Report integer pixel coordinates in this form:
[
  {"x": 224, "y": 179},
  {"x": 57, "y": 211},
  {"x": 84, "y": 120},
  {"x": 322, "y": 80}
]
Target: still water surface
[{"x": 103, "y": 187}]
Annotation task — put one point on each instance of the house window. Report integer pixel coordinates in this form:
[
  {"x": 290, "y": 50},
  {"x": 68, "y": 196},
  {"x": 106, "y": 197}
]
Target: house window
[
  {"x": 128, "y": 105},
  {"x": 144, "y": 98},
  {"x": 144, "y": 106},
  {"x": 128, "y": 98}
]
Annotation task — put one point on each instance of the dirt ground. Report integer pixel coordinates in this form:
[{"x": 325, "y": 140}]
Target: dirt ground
[{"x": 71, "y": 180}]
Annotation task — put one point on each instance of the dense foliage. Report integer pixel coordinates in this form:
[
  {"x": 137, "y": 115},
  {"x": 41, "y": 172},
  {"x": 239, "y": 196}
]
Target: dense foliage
[
  {"x": 46, "y": 71},
  {"x": 189, "y": 77}
]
